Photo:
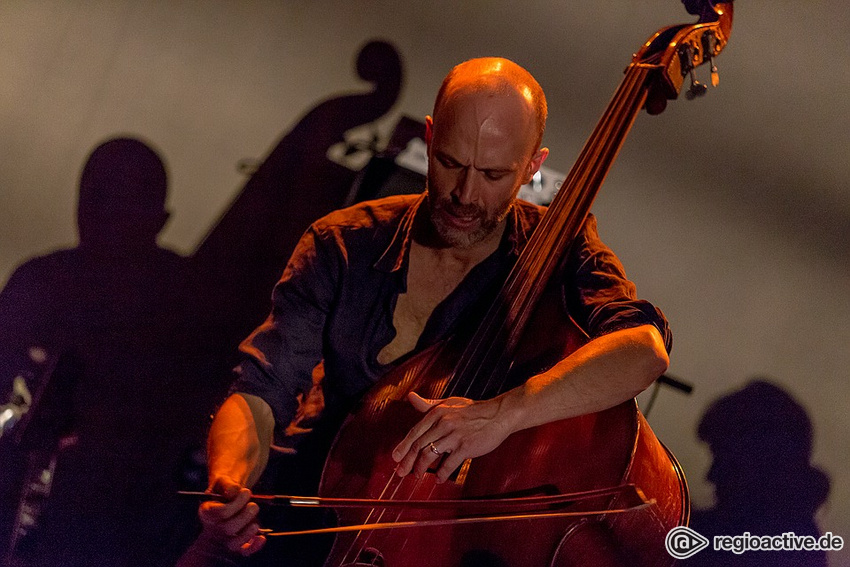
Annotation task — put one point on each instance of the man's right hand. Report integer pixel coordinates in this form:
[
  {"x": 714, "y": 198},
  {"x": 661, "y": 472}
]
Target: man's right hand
[{"x": 233, "y": 522}]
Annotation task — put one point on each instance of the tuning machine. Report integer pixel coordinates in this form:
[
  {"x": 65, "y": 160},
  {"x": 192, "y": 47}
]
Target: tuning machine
[
  {"x": 690, "y": 58},
  {"x": 692, "y": 54},
  {"x": 710, "y": 48}
]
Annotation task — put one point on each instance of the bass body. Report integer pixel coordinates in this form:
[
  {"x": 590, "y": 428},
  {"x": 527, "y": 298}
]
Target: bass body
[{"x": 595, "y": 451}]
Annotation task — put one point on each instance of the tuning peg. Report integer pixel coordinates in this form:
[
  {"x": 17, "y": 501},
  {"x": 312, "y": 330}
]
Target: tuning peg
[
  {"x": 697, "y": 89},
  {"x": 711, "y": 48},
  {"x": 687, "y": 56},
  {"x": 715, "y": 76}
]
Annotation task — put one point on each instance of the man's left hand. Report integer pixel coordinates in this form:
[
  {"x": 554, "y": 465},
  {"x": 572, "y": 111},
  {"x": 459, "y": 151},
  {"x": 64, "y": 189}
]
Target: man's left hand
[{"x": 457, "y": 428}]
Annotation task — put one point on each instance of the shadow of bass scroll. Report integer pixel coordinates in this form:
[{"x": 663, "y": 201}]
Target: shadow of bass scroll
[{"x": 243, "y": 255}]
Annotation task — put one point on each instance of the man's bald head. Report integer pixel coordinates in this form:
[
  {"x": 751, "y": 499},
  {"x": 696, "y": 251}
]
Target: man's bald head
[{"x": 496, "y": 75}]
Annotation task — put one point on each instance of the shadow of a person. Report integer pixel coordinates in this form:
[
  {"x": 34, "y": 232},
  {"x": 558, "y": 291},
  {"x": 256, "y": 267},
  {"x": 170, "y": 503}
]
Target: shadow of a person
[
  {"x": 764, "y": 482},
  {"x": 122, "y": 308}
]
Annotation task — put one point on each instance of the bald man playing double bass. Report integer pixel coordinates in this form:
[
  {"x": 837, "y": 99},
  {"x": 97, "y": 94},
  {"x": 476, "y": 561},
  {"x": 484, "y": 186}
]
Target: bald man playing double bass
[{"x": 371, "y": 284}]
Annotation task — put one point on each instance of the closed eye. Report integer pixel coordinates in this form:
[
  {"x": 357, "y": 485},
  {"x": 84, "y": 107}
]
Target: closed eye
[
  {"x": 494, "y": 175},
  {"x": 448, "y": 162}
]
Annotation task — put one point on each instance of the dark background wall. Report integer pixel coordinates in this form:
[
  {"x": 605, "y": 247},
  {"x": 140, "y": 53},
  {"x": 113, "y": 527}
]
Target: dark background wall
[{"x": 730, "y": 212}]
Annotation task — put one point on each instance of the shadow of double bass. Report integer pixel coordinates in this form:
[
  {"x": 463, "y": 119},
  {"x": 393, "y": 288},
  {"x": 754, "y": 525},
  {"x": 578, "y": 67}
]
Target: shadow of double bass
[{"x": 243, "y": 255}]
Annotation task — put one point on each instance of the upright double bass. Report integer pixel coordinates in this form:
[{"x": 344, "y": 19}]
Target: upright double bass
[{"x": 598, "y": 489}]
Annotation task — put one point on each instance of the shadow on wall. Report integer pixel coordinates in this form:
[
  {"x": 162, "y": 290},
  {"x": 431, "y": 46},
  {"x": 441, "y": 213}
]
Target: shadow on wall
[
  {"x": 764, "y": 482},
  {"x": 125, "y": 348},
  {"x": 244, "y": 254},
  {"x": 125, "y": 406}
]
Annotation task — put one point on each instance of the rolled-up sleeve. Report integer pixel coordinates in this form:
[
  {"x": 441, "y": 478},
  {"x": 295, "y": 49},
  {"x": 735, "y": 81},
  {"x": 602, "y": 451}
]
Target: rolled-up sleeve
[
  {"x": 280, "y": 355},
  {"x": 599, "y": 296}
]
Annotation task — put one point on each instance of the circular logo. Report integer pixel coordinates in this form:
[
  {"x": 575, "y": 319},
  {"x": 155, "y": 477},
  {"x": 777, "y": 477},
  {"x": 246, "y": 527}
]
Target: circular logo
[{"x": 683, "y": 542}]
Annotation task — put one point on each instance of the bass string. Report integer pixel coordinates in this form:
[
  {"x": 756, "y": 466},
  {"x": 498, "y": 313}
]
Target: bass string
[
  {"x": 355, "y": 551},
  {"x": 358, "y": 545},
  {"x": 522, "y": 287},
  {"x": 358, "y": 549},
  {"x": 386, "y": 492},
  {"x": 546, "y": 263},
  {"x": 560, "y": 237},
  {"x": 517, "y": 292}
]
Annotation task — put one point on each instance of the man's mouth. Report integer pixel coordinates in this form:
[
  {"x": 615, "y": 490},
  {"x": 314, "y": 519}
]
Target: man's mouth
[{"x": 461, "y": 221}]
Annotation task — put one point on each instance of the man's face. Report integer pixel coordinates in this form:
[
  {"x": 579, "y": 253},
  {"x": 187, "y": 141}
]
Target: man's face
[{"x": 480, "y": 150}]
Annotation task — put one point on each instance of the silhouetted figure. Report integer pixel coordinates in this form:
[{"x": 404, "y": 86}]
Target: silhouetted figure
[
  {"x": 134, "y": 397},
  {"x": 244, "y": 254},
  {"x": 764, "y": 483}
]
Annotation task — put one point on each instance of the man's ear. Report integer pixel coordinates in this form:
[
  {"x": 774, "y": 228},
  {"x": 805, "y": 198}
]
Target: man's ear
[
  {"x": 536, "y": 161},
  {"x": 429, "y": 130}
]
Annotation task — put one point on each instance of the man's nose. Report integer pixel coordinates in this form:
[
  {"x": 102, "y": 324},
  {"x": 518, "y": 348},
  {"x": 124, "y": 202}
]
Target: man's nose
[{"x": 466, "y": 189}]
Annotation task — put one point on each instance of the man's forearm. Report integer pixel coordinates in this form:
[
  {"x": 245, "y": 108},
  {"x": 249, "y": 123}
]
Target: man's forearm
[
  {"x": 601, "y": 374},
  {"x": 239, "y": 439}
]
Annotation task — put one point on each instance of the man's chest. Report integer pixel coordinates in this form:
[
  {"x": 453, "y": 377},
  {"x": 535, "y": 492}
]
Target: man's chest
[{"x": 428, "y": 284}]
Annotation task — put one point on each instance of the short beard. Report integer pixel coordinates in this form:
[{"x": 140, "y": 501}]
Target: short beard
[{"x": 451, "y": 235}]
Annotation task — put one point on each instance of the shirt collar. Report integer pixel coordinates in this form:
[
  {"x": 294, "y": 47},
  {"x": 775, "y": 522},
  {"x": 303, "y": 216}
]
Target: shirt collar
[{"x": 395, "y": 257}]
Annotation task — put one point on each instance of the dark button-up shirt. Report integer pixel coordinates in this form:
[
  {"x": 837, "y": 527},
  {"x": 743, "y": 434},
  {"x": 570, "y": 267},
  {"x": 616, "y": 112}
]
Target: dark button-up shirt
[{"x": 334, "y": 303}]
